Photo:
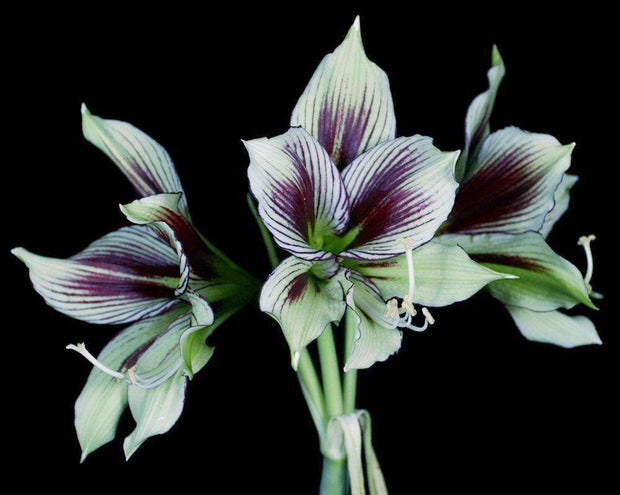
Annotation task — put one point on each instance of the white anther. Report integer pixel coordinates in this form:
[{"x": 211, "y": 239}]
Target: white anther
[
  {"x": 407, "y": 305},
  {"x": 585, "y": 241},
  {"x": 81, "y": 349},
  {"x": 391, "y": 309},
  {"x": 131, "y": 374},
  {"x": 429, "y": 317}
]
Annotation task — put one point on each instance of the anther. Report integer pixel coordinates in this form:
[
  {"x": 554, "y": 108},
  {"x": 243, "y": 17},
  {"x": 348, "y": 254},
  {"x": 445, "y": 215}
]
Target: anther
[
  {"x": 429, "y": 317},
  {"x": 131, "y": 374},
  {"x": 391, "y": 309},
  {"x": 407, "y": 305}
]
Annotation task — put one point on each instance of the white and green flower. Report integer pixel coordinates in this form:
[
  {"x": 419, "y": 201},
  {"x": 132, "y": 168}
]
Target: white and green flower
[
  {"x": 513, "y": 189},
  {"x": 356, "y": 208},
  {"x": 158, "y": 275}
]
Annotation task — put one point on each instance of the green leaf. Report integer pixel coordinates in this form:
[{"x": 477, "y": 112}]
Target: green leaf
[
  {"x": 554, "y": 327},
  {"x": 302, "y": 303},
  {"x": 104, "y": 398},
  {"x": 546, "y": 280},
  {"x": 444, "y": 274}
]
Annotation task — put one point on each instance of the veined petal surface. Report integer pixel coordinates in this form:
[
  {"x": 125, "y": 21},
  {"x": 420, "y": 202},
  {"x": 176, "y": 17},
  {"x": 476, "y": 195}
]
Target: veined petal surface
[
  {"x": 300, "y": 194},
  {"x": 104, "y": 398},
  {"x": 561, "y": 198},
  {"x": 478, "y": 115},
  {"x": 554, "y": 327},
  {"x": 127, "y": 275},
  {"x": 377, "y": 337},
  {"x": 546, "y": 280},
  {"x": 300, "y": 302},
  {"x": 444, "y": 275},
  {"x": 399, "y": 190},
  {"x": 511, "y": 186},
  {"x": 347, "y": 104},
  {"x": 144, "y": 162}
]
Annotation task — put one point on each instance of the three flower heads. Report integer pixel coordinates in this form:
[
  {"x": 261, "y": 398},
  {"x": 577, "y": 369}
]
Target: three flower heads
[
  {"x": 381, "y": 226},
  {"x": 376, "y": 226}
]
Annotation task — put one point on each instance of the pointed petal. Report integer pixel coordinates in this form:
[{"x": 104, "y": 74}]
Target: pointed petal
[
  {"x": 194, "y": 350},
  {"x": 375, "y": 479},
  {"x": 511, "y": 186},
  {"x": 155, "y": 410},
  {"x": 127, "y": 275},
  {"x": 444, "y": 275},
  {"x": 377, "y": 337},
  {"x": 165, "y": 209},
  {"x": 347, "y": 104},
  {"x": 144, "y": 162},
  {"x": 478, "y": 115},
  {"x": 554, "y": 327},
  {"x": 103, "y": 399},
  {"x": 546, "y": 281},
  {"x": 300, "y": 194},
  {"x": 561, "y": 199},
  {"x": 300, "y": 302},
  {"x": 400, "y": 190}
]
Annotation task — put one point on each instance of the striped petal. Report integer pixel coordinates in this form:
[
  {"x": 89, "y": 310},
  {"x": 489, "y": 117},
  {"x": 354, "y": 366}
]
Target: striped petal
[
  {"x": 443, "y": 275},
  {"x": 300, "y": 195},
  {"x": 103, "y": 399},
  {"x": 561, "y": 199},
  {"x": 127, "y": 275},
  {"x": 399, "y": 190},
  {"x": 546, "y": 281},
  {"x": 478, "y": 115},
  {"x": 554, "y": 327},
  {"x": 144, "y": 162},
  {"x": 166, "y": 210},
  {"x": 302, "y": 303},
  {"x": 347, "y": 104},
  {"x": 511, "y": 186},
  {"x": 377, "y": 337}
]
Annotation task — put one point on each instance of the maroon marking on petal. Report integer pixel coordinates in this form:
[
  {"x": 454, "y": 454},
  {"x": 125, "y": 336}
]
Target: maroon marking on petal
[
  {"x": 524, "y": 263},
  {"x": 297, "y": 288}
]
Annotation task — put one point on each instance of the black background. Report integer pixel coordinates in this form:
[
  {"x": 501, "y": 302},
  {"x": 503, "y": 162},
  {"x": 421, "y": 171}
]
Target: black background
[{"x": 469, "y": 403}]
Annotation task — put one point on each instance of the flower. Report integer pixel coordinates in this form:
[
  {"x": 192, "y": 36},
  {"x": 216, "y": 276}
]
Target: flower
[
  {"x": 160, "y": 276},
  {"x": 355, "y": 234},
  {"x": 513, "y": 189}
]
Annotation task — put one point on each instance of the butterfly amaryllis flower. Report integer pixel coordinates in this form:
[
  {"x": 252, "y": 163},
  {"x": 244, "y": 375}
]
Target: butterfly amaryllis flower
[
  {"x": 160, "y": 276},
  {"x": 356, "y": 208},
  {"x": 514, "y": 188}
]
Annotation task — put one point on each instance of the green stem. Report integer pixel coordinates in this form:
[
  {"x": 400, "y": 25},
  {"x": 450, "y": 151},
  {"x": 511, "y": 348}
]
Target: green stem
[
  {"x": 313, "y": 393},
  {"x": 267, "y": 239},
  {"x": 350, "y": 377},
  {"x": 333, "y": 477},
  {"x": 330, "y": 372}
]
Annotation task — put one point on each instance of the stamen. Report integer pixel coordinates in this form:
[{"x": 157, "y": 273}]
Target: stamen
[
  {"x": 391, "y": 309},
  {"x": 585, "y": 241},
  {"x": 81, "y": 349},
  {"x": 131, "y": 373},
  {"x": 407, "y": 305},
  {"x": 429, "y": 317}
]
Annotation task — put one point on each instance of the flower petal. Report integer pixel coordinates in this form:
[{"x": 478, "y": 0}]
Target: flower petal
[
  {"x": 399, "y": 190},
  {"x": 377, "y": 337},
  {"x": 511, "y": 186},
  {"x": 347, "y": 104},
  {"x": 104, "y": 398},
  {"x": 300, "y": 194},
  {"x": 478, "y": 115},
  {"x": 554, "y": 327},
  {"x": 546, "y": 281},
  {"x": 144, "y": 162},
  {"x": 561, "y": 199},
  {"x": 443, "y": 275},
  {"x": 127, "y": 275},
  {"x": 300, "y": 302}
]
